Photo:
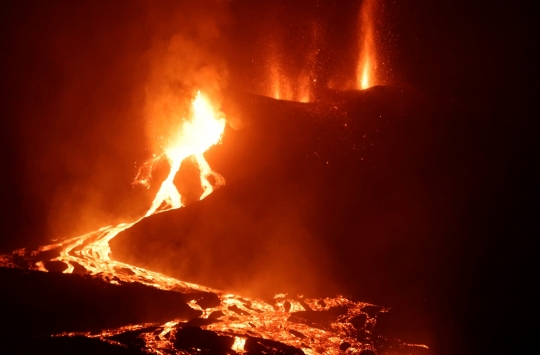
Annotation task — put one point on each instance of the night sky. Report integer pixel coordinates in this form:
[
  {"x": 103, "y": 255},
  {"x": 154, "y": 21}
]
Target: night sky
[{"x": 73, "y": 130}]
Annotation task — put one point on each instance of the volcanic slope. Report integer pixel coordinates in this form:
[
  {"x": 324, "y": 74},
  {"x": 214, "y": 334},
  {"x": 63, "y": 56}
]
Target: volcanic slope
[{"x": 321, "y": 198}]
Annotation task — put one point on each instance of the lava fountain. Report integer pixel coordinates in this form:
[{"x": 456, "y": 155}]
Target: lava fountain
[
  {"x": 290, "y": 81},
  {"x": 284, "y": 325},
  {"x": 366, "y": 71},
  {"x": 201, "y": 131}
]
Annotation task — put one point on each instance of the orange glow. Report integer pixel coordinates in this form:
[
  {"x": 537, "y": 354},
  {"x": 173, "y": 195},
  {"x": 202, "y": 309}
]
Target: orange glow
[
  {"x": 241, "y": 319},
  {"x": 195, "y": 137},
  {"x": 281, "y": 85},
  {"x": 304, "y": 88},
  {"x": 263, "y": 320},
  {"x": 91, "y": 251},
  {"x": 367, "y": 60},
  {"x": 289, "y": 83},
  {"x": 239, "y": 343},
  {"x": 288, "y": 87}
]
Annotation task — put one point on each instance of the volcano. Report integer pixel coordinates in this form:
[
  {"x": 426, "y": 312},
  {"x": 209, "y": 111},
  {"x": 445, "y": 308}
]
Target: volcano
[
  {"x": 293, "y": 169},
  {"x": 385, "y": 220},
  {"x": 297, "y": 174}
]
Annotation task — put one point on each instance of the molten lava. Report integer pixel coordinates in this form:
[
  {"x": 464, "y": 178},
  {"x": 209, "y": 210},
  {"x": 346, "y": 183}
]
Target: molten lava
[
  {"x": 200, "y": 132},
  {"x": 367, "y": 60},
  {"x": 284, "y": 325},
  {"x": 194, "y": 138}
]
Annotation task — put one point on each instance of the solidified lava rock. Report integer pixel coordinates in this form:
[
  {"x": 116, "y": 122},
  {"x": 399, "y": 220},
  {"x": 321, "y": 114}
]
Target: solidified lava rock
[
  {"x": 189, "y": 338},
  {"x": 66, "y": 346},
  {"x": 258, "y": 346},
  {"x": 297, "y": 334},
  {"x": 131, "y": 338},
  {"x": 216, "y": 315},
  {"x": 203, "y": 299},
  {"x": 200, "y": 322},
  {"x": 359, "y": 321},
  {"x": 344, "y": 346},
  {"x": 371, "y": 311},
  {"x": 55, "y": 266},
  {"x": 318, "y": 318},
  {"x": 237, "y": 310},
  {"x": 287, "y": 306},
  {"x": 36, "y": 303},
  {"x": 195, "y": 339}
]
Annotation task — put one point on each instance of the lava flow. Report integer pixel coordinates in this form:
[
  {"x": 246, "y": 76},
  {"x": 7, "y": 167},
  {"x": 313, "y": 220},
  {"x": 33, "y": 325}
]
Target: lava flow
[
  {"x": 227, "y": 324},
  {"x": 91, "y": 250}
]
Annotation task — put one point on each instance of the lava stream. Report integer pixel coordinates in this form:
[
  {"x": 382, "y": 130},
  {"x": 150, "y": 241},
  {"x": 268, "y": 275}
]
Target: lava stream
[
  {"x": 92, "y": 250},
  {"x": 329, "y": 326}
]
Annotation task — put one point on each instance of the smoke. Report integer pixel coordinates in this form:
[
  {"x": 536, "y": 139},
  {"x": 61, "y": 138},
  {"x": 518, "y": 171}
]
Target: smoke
[
  {"x": 89, "y": 89},
  {"x": 252, "y": 239},
  {"x": 185, "y": 57}
]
